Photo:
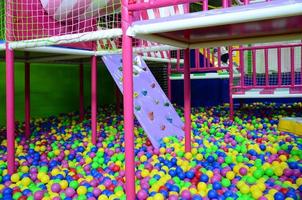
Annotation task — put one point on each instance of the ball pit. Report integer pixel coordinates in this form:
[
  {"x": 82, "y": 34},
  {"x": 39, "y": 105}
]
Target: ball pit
[{"x": 244, "y": 159}]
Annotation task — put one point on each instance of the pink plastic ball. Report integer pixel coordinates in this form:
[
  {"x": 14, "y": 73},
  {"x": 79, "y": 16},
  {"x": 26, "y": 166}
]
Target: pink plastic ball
[{"x": 142, "y": 195}]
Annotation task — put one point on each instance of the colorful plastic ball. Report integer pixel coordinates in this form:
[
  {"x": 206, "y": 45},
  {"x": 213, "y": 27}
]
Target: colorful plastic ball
[
  {"x": 212, "y": 194},
  {"x": 204, "y": 178},
  {"x": 15, "y": 178},
  {"x": 142, "y": 195},
  {"x": 279, "y": 196},
  {"x": 158, "y": 196},
  {"x": 56, "y": 187}
]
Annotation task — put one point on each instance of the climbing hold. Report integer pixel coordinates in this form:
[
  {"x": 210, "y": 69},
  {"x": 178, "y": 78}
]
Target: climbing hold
[
  {"x": 120, "y": 68},
  {"x": 151, "y": 116},
  {"x": 144, "y": 92},
  {"x": 156, "y": 101},
  {"x": 135, "y": 94},
  {"x": 163, "y": 127},
  {"x": 169, "y": 119},
  {"x": 166, "y": 104},
  {"x": 138, "y": 107},
  {"x": 153, "y": 85}
]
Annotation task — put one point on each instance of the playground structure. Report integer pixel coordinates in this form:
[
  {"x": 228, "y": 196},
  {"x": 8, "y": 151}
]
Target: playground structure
[
  {"x": 278, "y": 76},
  {"x": 101, "y": 29}
]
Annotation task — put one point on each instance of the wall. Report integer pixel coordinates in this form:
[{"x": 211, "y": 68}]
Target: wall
[{"x": 54, "y": 89}]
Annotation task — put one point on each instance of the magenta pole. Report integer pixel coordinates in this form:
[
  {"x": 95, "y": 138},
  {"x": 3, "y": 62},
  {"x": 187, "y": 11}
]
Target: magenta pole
[
  {"x": 127, "y": 57},
  {"x": 27, "y": 97},
  {"x": 292, "y": 66},
  {"x": 93, "y": 98},
  {"x": 205, "y": 5},
  {"x": 10, "y": 109},
  {"x": 187, "y": 100},
  {"x": 81, "y": 96},
  {"x": 231, "y": 83},
  {"x": 266, "y": 67},
  {"x": 169, "y": 82},
  {"x": 279, "y": 66}
]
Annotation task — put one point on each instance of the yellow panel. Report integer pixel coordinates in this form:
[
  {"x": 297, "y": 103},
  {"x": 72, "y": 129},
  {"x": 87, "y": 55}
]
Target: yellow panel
[{"x": 291, "y": 125}]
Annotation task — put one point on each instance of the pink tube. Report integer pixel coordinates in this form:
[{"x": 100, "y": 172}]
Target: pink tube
[
  {"x": 187, "y": 100},
  {"x": 81, "y": 96},
  {"x": 169, "y": 82},
  {"x": 241, "y": 68},
  {"x": 246, "y": 2},
  {"x": 254, "y": 67},
  {"x": 10, "y": 109},
  {"x": 266, "y": 67},
  {"x": 205, "y": 5},
  {"x": 292, "y": 66},
  {"x": 224, "y": 3},
  {"x": 279, "y": 67},
  {"x": 127, "y": 56},
  {"x": 93, "y": 99},
  {"x": 231, "y": 84},
  {"x": 27, "y": 97}
]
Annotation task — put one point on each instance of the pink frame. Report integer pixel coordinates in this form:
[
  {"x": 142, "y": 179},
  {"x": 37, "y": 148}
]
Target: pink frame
[{"x": 267, "y": 87}]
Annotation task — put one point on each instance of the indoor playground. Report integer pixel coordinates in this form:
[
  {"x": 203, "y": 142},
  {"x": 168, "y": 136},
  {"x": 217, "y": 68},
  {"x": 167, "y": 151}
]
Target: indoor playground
[{"x": 151, "y": 99}]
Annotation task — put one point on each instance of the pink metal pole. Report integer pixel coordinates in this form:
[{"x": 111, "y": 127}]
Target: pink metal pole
[
  {"x": 241, "y": 67},
  {"x": 224, "y": 3},
  {"x": 254, "y": 67},
  {"x": 292, "y": 66},
  {"x": 93, "y": 99},
  {"x": 127, "y": 56},
  {"x": 10, "y": 109},
  {"x": 266, "y": 67},
  {"x": 187, "y": 100},
  {"x": 231, "y": 84},
  {"x": 169, "y": 82},
  {"x": 204, "y": 58},
  {"x": 81, "y": 96},
  {"x": 246, "y": 2},
  {"x": 205, "y": 5},
  {"x": 279, "y": 67},
  {"x": 27, "y": 97}
]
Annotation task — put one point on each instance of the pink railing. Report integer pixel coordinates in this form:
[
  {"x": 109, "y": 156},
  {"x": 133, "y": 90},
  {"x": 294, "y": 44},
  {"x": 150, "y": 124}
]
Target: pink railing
[{"x": 251, "y": 80}]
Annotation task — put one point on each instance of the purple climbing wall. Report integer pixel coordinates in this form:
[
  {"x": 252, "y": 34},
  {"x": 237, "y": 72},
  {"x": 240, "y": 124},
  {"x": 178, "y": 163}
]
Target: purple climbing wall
[{"x": 152, "y": 108}]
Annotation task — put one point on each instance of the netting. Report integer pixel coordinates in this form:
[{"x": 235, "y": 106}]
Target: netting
[
  {"x": 47, "y": 20},
  {"x": 2, "y": 20}
]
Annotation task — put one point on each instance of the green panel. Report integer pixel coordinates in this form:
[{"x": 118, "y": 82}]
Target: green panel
[
  {"x": 2, "y": 20},
  {"x": 54, "y": 89}
]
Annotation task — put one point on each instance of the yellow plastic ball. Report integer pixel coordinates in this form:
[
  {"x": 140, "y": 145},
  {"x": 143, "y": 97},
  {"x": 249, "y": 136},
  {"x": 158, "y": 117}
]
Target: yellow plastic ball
[
  {"x": 81, "y": 190},
  {"x": 244, "y": 189},
  {"x": 63, "y": 184},
  {"x": 257, "y": 194},
  {"x": 24, "y": 169},
  {"x": 25, "y": 181},
  {"x": 199, "y": 156},
  {"x": 299, "y": 181},
  {"x": 103, "y": 197},
  {"x": 188, "y": 156},
  {"x": 230, "y": 175},
  {"x": 15, "y": 178},
  {"x": 45, "y": 178},
  {"x": 158, "y": 196}
]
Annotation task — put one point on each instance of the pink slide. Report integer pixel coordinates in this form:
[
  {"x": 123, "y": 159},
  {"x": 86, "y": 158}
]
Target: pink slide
[{"x": 152, "y": 108}]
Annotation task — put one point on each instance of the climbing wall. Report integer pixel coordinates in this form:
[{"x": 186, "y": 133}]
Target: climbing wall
[{"x": 152, "y": 108}]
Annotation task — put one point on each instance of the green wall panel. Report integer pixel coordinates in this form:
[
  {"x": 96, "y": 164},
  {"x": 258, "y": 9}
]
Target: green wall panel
[{"x": 54, "y": 89}]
